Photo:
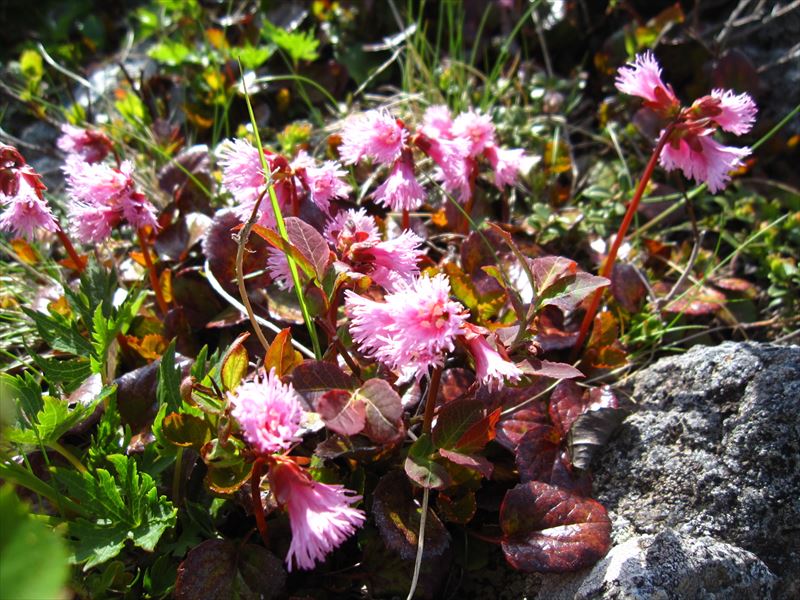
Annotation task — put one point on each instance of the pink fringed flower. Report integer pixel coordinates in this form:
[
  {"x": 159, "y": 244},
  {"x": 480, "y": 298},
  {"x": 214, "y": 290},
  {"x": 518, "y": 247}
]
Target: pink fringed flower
[
  {"x": 643, "y": 78},
  {"x": 703, "y": 159},
  {"x": 92, "y": 146},
  {"x": 412, "y": 329},
  {"x": 350, "y": 227},
  {"x": 269, "y": 413},
  {"x": 320, "y": 515},
  {"x": 689, "y": 145},
  {"x": 476, "y": 128},
  {"x": 394, "y": 261},
  {"x": 737, "y": 111},
  {"x": 278, "y": 269},
  {"x": 101, "y": 196},
  {"x": 507, "y": 163},
  {"x": 324, "y": 183},
  {"x": 401, "y": 190},
  {"x": 490, "y": 368},
  {"x": 26, "y": 210},
  {"x": 437, "y": 122},
  {"x": 375, "y": 135}
]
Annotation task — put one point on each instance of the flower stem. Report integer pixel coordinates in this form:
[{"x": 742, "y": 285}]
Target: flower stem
[
  {"x": 406, "y": 219},
  {"x": 151, "y": 270},
  {"x": 73, "y": 255},
  {"x": 430, "y": 400},
  {"x": 176, "y": 477},
  {"x": 68, "y": 455},
  {"x": 608, "y": 263},
  {"x": 242, "y": 238},
  {"x": 255, "y": 495},
  {"x": 420, "y": 543}
]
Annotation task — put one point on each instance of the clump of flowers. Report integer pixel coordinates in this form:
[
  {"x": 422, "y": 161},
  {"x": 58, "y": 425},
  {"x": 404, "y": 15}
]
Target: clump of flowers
[
  {"x": 690, "y": 145},
  {"x": 90, "y": 145},
  {"x": 102, "y": 197}
]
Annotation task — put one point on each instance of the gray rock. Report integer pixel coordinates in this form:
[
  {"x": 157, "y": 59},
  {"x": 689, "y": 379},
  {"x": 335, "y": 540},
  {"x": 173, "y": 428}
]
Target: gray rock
[
  {"x": 664, "y": 567},
  {"x": 713, "y": 451}
]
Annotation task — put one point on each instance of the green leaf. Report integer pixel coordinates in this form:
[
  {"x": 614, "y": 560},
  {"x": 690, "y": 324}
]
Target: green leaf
[
  {"x": 253, "y": 57},
  {"x": 168, "y": 389},
  {"x": 60, "y": 336},
  {"x": 119, "y": 508},
  {"x": 105, "y": 330},
  {"x": 70, "y": 373},
  {"x": 170, "y": 53},
  {"x": 234, "y": 364},
  {"x": 25, "y": 393},
  {"x": 422, "y": 467},
  {"x": 34, "y": 563},
  {"x": 299, "y": 45}
]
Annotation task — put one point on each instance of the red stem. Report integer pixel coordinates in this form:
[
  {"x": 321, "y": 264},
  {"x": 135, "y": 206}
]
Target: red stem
[
  {"x": 608, "y": 263},
  {"x": 73, "y": 255},
  {"x": 255, "y": 495},
  {"x": 151, "y": 270},
  {"x": 406, "y": 219}
]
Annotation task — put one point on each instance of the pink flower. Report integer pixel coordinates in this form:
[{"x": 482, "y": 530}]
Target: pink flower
[
  {"x": 350, "y": 227},
  {"x": 101, "y": 196},
  {"x": 26, "y": 210},
  {"x": 506, "y": 164},
  {"x": 374, "y": 134},
  {"x": 412, "y": 329},
  {"x": 643, "y": 78},
  {"x": 242, "y": 173},
  {"x": 278, "y": 269},
  {"x": 395, "y": 261},
  {"x": 325, "y": 183},
  {"x": 320, "y": 515},
  {"x": 703, "y": 159},
  {"x": 437, "y": 122},
  {"x": 490, "y": 367},
  {"x": 738, "y": 111},
  {"x": 92, "y": 146},
  {"x": 401, "y": 190},
  {"x": 269, "y": 413},
  {"x": 476, "y": 128}
]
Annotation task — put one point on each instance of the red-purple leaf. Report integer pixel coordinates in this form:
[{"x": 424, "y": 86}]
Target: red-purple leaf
[
  {"x": 567, "y": 402},
  {"x": 384, "y": 411},
  {"x": 545, "y": 368},
  {"x": 475, "y": 438},
  {"x": 312, "y": 378},
  {"x": 220, "y": 570},
  {"x": 570, "y": 291},
  {"x": 423, "y": 465},
  {"x": 310, "y": 243},
  {"x": 547, "y": 529},
  {"x": 627, "y": 287},
  {"x": 547, "y": 270},
  {"x": 454, "y": 384},
  {"x": 692, "y": 300},
  {"x": 342, "y": 411},
  {"x": 536, "y": 453},
  {"x": 397, "y": 518},
  {"x": 454, "y": 419},
  {"x": 511, "y": 428},
  {"x": 470, "y": 461},
  {"x": 457, "y": 509}
]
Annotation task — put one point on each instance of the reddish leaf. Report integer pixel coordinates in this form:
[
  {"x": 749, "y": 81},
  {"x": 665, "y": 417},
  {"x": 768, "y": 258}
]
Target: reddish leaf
[
  {"x": 544, "y": 368},
  {"x": 693, "y": 300},
  {"x": 511, "y": 428},
  {"x": 604, "y": 350},
  {"x": 734, "y": 284},
  {"x": 457, "y": 509},
  {"x": 470, "y": 461},
  {"x": 281, "y": 355},
  {"x": 627, "y": 287},
  {"x": 454, "y": 419},
  {"x": 310, "y": 243},
  {"x": 536, "y": 452},
  {"x": 312, "y": 378},
  {"x": 565, "y": 475},
  {"x": 384, "y": 411},
  {"x": 479, "y": 434},
  {"x": 547, "y": 270},
  {"x": 570, "y": 291},
  {"x": 567, "y": 402},
  {"x": 342, "y": 411},
  {"x": 547, "y": 529},
  {"x": 454, "y": 384},
  {"x": 220, "y": 570},
  {"x": 274, "y": 239},
  {"x": 397, "y": 518}
]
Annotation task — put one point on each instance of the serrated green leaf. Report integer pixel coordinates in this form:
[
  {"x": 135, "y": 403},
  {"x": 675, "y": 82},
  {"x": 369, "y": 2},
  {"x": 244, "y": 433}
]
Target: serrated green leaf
[
  {"x": 25, "y": 393},
  {"x": 168, "y": 389},
  {"x": 68, "y": 373},
  {"x": 60, "y": 336},
  {"x": 51, "y": 422},
  {"x": 299, "y": 45}
]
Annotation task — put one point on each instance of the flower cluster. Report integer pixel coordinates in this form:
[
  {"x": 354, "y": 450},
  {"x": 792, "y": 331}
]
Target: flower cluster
[
  {"x": 455, "y": 146},
  {"x": 416, "y": 324},
  {"x": 244, "y": 177},
  {"x": 690, "y": 146},
  {"x": 25, "y": 208},
  {"x": 102, "y": 196},
  {"x": 90, "y": 145}
]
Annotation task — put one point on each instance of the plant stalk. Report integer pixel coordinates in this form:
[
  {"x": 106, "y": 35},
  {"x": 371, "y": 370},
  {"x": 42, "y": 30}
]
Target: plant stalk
[
  {"x": 608, "y": 263},
  {"x": 255, "y": 495},
  {"x": 71, "y": 252},
  {"x": 151, "y": 270},
  {"x": 430, "y": 400}
]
